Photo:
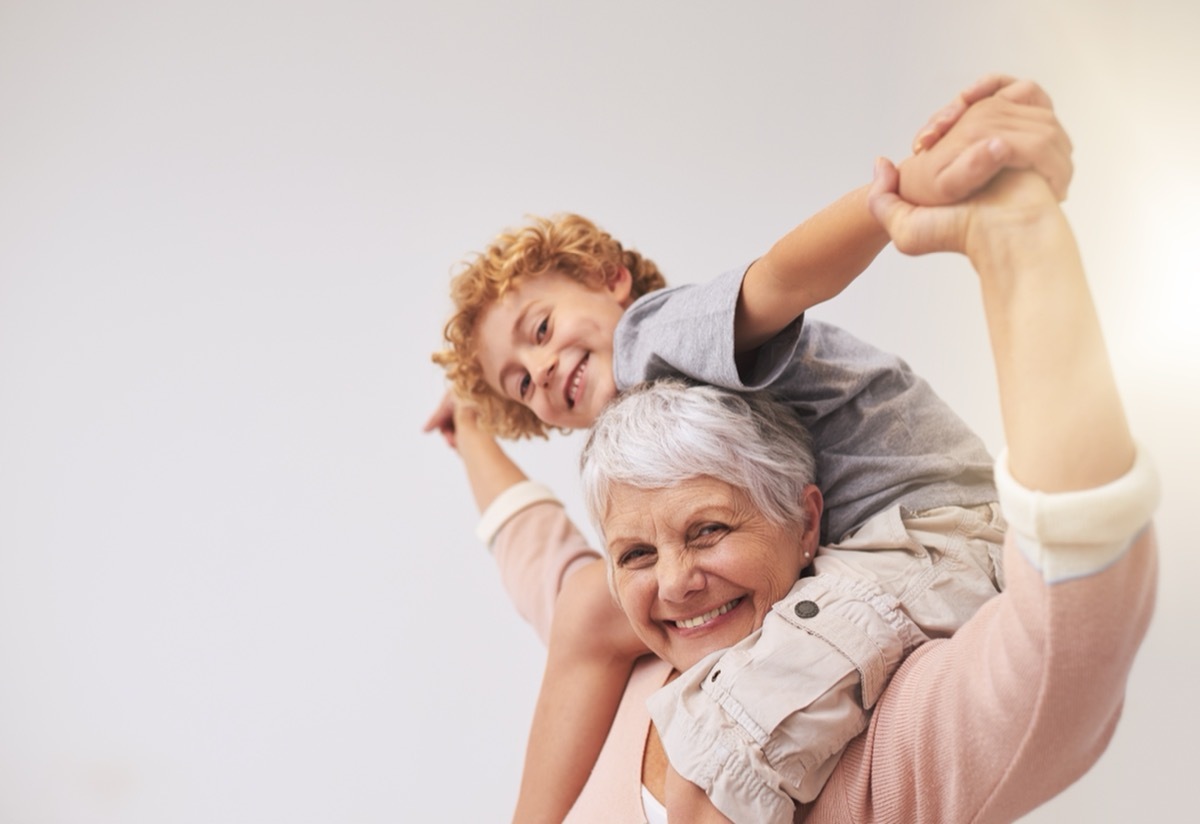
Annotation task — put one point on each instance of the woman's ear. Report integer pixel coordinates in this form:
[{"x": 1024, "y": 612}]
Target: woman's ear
[
  {"x": 813, "y": 503},
  {"x": 619, "y": 284}
]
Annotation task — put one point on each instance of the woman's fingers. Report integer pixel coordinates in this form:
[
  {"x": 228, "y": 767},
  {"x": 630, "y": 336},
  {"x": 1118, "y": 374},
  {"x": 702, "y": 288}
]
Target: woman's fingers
[
  {"x": 937, "y": 126},
  {"x": 975, "y": 167},
  {"x": 986, "y": 86},
  {"x": 1037, "y": 140},
  {"x": 1021, "y": 91},
  {"x": 924, "y": 179},
  {"x": 972, "y": 169},
  {"x": 1048, "y": 154},
  {"x": 1029, "y": 136}
]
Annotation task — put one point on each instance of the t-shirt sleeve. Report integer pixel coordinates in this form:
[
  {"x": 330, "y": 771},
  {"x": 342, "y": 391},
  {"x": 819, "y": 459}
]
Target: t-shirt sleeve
[{"x": 689, "y": 331}]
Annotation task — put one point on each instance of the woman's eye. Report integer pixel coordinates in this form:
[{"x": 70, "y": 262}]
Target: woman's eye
[
  {"x": 635, "y": 557},
  {"x": 523, "y": 387},
  {"x": 540, "y": 334},
  {"x": 711, "y": 531}
]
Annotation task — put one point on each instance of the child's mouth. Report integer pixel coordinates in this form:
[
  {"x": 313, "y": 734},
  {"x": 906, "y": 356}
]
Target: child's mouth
[{"x": 573, "y": 383}]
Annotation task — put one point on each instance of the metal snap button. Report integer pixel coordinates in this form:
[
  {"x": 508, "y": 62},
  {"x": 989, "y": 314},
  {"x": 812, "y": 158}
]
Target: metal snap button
[{"x": 807, "y": 609}]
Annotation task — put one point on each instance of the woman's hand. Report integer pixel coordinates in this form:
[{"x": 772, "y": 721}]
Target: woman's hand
[
  {"x": 990, "y": 85},
  {"x": 995, "y": 124},
  {"x": 1012, "y": 205},
  {"x": 1063, "y": 420}
]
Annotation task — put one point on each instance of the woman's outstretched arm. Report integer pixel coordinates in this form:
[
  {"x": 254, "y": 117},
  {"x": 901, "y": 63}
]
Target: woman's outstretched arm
[
  {"x": 1024, "y": 698},
  {"x": 1064, "y": 423}
]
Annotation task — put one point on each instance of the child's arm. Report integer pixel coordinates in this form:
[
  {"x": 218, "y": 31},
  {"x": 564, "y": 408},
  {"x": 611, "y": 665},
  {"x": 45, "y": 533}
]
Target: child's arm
[
  {"x": 687, "y": 802},
  {"x": 592, "y": 650},
  {"x": 809, "y": 265},
  {"x": 1014, "y": 128}
]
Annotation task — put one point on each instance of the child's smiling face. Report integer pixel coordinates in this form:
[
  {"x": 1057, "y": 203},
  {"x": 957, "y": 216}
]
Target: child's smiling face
[{"x": 548, "y": 344}]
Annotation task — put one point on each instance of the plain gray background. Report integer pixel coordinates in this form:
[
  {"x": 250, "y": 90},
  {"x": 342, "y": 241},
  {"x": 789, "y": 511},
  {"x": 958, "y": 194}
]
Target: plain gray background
[{"x": 237, "y": 584}]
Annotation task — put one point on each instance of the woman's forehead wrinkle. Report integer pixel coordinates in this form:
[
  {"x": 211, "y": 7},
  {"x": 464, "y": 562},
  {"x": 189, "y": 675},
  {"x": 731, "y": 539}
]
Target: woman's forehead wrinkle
[
  {"x": 622, "y": 527},
  {"x": 624, "y": 519}
]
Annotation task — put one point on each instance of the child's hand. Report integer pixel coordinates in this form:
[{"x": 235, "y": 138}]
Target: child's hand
[
  {"x": 914, "y": 230},
  {"x": 442, "y": 419},
  {"x": 978, "y": 135},
  {"x": 454, "y": 420}
]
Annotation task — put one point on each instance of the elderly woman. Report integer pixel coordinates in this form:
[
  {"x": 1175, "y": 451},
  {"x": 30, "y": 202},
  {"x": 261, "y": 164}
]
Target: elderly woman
[{"x": 983, "y": 726}]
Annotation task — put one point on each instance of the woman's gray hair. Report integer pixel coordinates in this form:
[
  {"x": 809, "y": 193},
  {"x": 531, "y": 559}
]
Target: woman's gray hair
[{"x": 661, "y": 433}]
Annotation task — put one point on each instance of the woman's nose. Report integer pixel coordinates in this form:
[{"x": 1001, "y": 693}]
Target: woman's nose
[{"x": 678, "y": 578}]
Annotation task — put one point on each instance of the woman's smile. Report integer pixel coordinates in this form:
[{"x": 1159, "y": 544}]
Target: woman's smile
[{"x": 709, "y": 619}]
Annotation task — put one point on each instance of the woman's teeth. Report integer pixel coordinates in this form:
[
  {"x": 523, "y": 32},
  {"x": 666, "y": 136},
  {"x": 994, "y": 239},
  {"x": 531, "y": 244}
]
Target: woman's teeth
[{"x": 708, "y": 616}]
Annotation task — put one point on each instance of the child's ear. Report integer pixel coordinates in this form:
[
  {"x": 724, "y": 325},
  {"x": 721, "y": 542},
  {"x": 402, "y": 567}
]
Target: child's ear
[{"x": 619, "y": 283}]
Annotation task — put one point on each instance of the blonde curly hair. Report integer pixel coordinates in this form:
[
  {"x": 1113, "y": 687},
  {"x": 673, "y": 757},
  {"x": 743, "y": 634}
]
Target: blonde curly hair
[{"x": 567, "y": 244}]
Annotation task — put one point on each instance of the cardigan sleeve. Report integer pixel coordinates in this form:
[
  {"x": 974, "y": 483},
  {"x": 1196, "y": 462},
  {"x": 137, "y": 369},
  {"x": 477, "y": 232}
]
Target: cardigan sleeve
[
  {"x": 987, "y": 725},
  {"x": 535, "y": 547}
]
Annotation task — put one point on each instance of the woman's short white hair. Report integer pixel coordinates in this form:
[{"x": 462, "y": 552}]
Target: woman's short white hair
[{"x": 662, "y": 433}]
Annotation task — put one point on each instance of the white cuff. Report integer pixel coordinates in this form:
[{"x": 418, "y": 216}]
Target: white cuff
[
  {"x": 1072, "y": 534},
  {"x": 507, "y": 504}
]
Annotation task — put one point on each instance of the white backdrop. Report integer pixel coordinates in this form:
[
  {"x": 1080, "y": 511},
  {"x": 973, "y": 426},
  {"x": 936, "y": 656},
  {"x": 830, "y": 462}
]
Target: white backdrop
[{"x": 237, "y": 584}]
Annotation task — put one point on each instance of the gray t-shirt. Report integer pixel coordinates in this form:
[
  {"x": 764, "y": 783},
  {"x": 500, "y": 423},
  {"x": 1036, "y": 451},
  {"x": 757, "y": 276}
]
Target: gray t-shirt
[{"x": 881, "y": 435}]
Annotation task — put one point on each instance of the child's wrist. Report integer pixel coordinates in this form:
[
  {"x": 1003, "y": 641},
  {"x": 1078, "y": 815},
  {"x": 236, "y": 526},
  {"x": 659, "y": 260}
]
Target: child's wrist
[{"x": 474, "y": 439}]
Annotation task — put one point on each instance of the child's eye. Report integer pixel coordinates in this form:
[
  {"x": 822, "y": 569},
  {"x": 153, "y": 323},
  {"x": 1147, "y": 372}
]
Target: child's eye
[
  {"x": 540, "y": 334},
  {"x": 523, "y": 387}
]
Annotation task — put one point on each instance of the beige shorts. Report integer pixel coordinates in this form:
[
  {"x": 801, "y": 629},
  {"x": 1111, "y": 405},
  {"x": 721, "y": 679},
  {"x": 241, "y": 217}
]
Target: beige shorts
[
  {"x": 941, "y": 564},
  {"x": 761, "y": 725}
]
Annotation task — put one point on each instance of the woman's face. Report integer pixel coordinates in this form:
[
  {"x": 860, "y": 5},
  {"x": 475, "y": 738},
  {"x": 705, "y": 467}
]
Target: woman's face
[{"x": 696, "y": 567}]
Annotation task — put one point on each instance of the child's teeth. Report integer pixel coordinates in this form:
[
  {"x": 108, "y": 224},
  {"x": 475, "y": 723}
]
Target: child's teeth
[{"x": 576, "y": 379}]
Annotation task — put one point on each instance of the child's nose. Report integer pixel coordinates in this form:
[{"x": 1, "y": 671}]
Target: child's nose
[{"x": 546, "y": 371}]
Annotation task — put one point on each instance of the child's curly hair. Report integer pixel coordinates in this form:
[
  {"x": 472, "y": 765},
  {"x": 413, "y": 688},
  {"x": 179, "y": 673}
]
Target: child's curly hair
[{"x": 567, "y": 244}]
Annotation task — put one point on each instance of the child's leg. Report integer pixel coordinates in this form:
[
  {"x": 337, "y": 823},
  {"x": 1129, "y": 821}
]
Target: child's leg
[
  {"x": 592, "y": 650},
  {"x": 687, "y": 802}
]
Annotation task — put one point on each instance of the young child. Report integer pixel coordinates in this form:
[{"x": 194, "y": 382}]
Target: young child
[{"x": 555, "y": 318}]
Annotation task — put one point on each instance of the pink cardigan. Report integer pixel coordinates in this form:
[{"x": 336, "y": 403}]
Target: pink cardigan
[{"x": 982, "y": 727}]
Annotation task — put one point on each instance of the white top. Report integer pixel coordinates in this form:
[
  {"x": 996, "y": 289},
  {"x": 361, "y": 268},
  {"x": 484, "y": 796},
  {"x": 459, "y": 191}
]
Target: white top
[{"x": 656, "y": 813}]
